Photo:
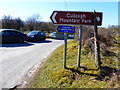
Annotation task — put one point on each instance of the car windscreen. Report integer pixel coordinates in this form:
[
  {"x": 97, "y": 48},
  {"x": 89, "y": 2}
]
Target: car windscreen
[{"x": 32, "y": 33}]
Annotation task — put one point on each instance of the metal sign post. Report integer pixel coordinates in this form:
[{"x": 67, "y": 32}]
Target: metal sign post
[
  {"x": 65, "y": 49},
  {"x": 80, "y": 45},
  {"x": 65, "y": 30}
]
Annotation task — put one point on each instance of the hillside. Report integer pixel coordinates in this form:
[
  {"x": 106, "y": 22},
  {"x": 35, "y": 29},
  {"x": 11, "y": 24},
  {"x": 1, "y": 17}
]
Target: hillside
[{"x": 53, "y": 75}]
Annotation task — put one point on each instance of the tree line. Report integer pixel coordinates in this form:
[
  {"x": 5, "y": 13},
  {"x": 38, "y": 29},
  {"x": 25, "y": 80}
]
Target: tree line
[
  {"x": 32, "y": 23},
  {"x": 35, "y": 22}
]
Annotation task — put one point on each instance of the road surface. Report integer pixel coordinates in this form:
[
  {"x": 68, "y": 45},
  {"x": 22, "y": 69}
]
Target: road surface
[{"x": 16, "y": 60}]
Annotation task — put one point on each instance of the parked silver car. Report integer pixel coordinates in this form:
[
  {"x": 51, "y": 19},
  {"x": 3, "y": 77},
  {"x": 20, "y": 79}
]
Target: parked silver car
[{"x": 57, "y": 35}]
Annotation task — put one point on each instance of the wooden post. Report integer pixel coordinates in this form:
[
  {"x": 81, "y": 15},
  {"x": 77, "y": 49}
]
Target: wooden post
[{"x": 96, "y": 43}]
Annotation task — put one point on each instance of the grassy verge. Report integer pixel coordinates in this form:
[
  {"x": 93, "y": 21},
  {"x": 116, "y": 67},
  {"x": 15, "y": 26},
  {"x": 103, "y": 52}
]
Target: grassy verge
[{"x": 52, "y": 74}]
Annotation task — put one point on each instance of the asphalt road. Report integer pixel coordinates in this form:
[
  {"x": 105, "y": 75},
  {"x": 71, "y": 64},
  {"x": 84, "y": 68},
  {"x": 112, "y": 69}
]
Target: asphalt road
[{"x": 17, "y": 60}]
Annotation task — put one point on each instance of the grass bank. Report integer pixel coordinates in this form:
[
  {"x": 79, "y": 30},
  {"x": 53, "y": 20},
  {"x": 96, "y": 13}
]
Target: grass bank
[{"x": 52, "y": 74}]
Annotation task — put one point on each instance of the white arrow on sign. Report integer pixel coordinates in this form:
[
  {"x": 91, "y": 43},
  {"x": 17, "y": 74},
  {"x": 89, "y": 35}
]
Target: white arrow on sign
[
  {"x": 53, "y": 17},
  {"x": 98, "y": 19}
]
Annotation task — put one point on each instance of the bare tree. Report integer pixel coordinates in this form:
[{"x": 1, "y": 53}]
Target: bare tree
[
  {"x": 0, "y": 24},
  {"x": 33, "y": 22},
  {"x": 12, "y": 23}
]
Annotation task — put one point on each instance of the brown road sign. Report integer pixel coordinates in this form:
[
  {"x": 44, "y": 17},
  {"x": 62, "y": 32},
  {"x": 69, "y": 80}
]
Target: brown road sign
[{"x": 77, "y": 18}]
